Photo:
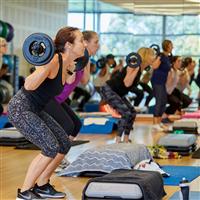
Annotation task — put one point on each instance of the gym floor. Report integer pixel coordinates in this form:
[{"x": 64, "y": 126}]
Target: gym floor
[{"x": 14, "y": 163}]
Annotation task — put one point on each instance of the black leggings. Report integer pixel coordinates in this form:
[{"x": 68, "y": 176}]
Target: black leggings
[
  {"x": 176, "y": 101},
  {"x": 78, "y": 93},
  {"x": 148, "y": 89},
  {"x": 160, "y": 95},
  {"x": 65, "y": 116},
  {"x": 37, "y": 126},
  {"x": 139, "y": 95},
  {"x": 122, "y": 106}
]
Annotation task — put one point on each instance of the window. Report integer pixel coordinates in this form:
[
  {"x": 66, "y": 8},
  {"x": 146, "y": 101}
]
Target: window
[
  {"x": 76, "y": 20},
  {"x": 123, "y": 44},
  {"x": 89, "y": 22},
  {"x": 117, "y": 44},
  {"x": 187, "y": 45},
  {"x": 183, "y": 24},
  {"x": 129, "y": 23}
]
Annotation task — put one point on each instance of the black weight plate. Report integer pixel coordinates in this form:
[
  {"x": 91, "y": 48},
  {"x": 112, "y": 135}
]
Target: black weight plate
[
  {"x": 101, "y": 62},
  {"x": 156, "y": 48},
  {"x": 82, "y": 61},
  {"x": 40, "y": 58},
  {"x": 133, "y": 60}
]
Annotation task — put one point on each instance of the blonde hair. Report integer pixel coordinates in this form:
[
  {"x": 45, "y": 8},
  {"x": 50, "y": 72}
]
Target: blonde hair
[{"x": 145, "y": 53}]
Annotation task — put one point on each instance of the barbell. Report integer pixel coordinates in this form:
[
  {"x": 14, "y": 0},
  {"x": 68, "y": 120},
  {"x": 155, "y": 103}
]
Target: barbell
[
  {"x": 156, "y": 48},
  {"x": 101, "y": 63},
  {"x": 133, "y": 59},
  {"x": 38, "y": 49}
]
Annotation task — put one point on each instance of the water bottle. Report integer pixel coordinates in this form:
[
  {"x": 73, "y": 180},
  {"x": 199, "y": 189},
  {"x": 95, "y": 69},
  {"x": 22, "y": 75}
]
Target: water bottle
[{"x": 185, "y": 189}]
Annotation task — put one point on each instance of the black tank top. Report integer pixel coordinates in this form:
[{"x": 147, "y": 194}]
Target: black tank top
[
  {"x": 48, "y": 89},
  {"x": 116, "y": 83}
]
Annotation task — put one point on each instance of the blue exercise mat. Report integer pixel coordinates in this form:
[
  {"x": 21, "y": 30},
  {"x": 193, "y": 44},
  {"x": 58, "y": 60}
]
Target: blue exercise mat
[
  {"x": 3, "y": 121},
  {"x": 178, "y": 172},
  {"x": 99, "y": 129},
  {"x": 193, "y": 196}
]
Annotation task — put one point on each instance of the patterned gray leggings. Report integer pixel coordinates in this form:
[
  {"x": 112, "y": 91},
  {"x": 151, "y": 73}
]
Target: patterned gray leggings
[
  {"x": 37, "y": 126},
  {"x": 121, "y": 105}
]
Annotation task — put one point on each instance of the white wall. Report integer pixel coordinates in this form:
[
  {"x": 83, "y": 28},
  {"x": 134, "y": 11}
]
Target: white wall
[{"x": 30, "y": 16}]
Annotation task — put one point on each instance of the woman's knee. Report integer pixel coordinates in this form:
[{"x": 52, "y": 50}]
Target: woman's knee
[
  {"x": 64, "y": 149},
  {"x": 55, "y": 148},
  {"x": 51, "y": 151}
]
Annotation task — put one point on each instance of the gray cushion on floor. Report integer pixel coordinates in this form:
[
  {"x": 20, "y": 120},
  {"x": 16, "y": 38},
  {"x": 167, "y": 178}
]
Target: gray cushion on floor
[
  {"x": 10, "y": 133},
  {"x": 106, "y": 158}
]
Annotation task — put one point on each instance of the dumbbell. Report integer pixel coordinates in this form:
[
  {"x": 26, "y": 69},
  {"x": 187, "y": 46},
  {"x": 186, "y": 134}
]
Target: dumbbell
[
  {"x": 133, "y": 60},
  {"x": 156, "y": 48},
  {"x": 38, "y": 49},
  {"x": 101, "y": 63}
]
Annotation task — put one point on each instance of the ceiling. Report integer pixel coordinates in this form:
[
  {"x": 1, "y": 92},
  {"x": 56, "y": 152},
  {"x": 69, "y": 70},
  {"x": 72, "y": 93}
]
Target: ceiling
[{"x": 164, "y": 7}]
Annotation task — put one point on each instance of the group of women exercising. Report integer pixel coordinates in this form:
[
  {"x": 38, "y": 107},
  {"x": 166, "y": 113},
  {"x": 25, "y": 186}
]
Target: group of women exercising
[{"x": 40, "y": 113}]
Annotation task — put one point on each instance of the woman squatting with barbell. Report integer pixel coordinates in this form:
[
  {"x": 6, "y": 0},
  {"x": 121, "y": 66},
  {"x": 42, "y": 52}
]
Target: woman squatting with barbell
[
  {"x": 57, "y": 107},
  {"x": 26, "y": 113},
  {"x": 115, "y": 89}
]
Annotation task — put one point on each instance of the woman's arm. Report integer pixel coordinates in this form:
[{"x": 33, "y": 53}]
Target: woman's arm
[
  {"x": 34, "y": 80},
  {"x": 130, "y": 76}
]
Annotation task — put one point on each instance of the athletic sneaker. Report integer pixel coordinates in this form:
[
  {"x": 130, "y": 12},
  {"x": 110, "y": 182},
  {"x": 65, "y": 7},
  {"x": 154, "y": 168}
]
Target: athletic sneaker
[
  {"x": 27, "y": 195},
  {"x": 48, "y": 191}
]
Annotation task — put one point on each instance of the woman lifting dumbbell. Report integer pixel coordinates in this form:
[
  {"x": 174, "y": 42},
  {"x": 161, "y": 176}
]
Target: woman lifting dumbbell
[
  {"x": 26, "y": 113},
  {"x": 115, "y": 89}
]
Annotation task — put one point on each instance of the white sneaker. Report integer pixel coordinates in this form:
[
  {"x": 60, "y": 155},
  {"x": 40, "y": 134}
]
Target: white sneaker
[{"x": 157, "y": 127}]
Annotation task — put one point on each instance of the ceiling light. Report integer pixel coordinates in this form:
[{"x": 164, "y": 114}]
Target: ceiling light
[{"x": 195, "y": 1}]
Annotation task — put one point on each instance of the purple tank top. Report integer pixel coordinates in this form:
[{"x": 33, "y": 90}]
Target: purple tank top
[{"x": 68, "y": 88}]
